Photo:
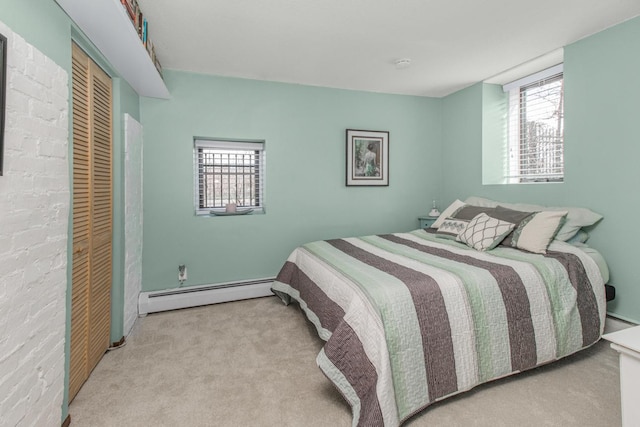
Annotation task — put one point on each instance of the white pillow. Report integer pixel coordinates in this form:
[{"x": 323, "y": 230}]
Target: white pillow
[
  {"x": 576, "y": 217},
  {"x": 536, "y": 233},
  {"x": 447, "y": 213},
  {"x": 451, "y": 228},
  {"x": 484, "y": 232}
]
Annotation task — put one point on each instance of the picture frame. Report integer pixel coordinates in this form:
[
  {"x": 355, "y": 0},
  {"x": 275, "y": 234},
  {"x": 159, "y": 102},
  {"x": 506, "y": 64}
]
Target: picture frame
[
  {"x": 3, "y": 87},
  {"x": 367, "y": 158}
]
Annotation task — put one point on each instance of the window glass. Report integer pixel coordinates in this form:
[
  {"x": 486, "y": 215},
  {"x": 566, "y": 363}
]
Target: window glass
[
  {"x": 229, "y": 172},
  {"x": 536, "y": 131}
]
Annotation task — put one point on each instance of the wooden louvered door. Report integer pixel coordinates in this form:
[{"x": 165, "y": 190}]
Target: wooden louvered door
[{"x": 92, "y": 218}]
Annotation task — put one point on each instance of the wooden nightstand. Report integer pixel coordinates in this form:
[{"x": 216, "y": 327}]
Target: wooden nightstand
[{"x": 426, "y": 221}]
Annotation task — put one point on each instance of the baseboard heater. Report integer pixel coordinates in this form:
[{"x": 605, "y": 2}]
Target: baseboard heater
[{"x": 193, "y": 296}]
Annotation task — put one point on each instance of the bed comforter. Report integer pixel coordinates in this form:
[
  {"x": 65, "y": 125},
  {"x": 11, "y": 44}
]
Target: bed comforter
[{"x": 410, "y": 318}]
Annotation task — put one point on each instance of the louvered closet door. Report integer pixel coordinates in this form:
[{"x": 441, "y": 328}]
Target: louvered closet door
[
  {"x": 101, "y": 221},
  {"x": 92, "y": 218}
]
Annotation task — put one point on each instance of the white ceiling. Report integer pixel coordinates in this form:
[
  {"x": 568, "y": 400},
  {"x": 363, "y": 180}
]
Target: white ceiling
[{"x": 353, "y": 44}]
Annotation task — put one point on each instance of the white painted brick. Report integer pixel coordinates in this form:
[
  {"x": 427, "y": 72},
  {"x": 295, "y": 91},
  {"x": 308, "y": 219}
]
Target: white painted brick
[
  {"x": 34, "y": 209},
  {"x": 18, "y": 403},
  {"x": 35, "y": 273},
  {"x": 12, "y": 263},
  {"x": 60, "y": 96},
  {"x": 19, "y": 48},
  {"x": 52, "y": 149},
  {"x": 48, "y": 358},
  {"x": 29, "y": 52},
  {"x": 24, "y": 164},
  {"x": 44, "y": 250},
  {"x": 24, "y": 85},
  {"x": 12, "y": 396},
  {"x": 44, "y": 111},
  {"x": 15, "y": 413},
  {"x": 3, "y": 295},
  {"x": 28, "y": 238},
  {"x": 46, "y": 74},
  {"x": 46, "y": 131},
  {"x": 13, "y": 217},
  {"x": 15, "y": 61},
  {"x": 19, "y": 102}
]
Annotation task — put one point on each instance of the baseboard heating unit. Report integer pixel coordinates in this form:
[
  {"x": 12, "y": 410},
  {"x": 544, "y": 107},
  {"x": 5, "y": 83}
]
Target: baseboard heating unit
[{"x": 193, "y": 296}]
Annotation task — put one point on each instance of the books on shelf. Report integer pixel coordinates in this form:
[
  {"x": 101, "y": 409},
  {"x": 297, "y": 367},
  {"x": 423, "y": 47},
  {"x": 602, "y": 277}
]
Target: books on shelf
[
  {"x": 144, "y": 31},
  {"x": 129, "y": 7},
  {"x": 141, "y": 26},
  {"x": 158, "y": 66},
  {"x": 138, "y": 23}
]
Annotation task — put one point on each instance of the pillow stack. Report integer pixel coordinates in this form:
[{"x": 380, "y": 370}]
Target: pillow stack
[
  {"x": 485, "y": 227},
  {"x": 576, "y": 218}
]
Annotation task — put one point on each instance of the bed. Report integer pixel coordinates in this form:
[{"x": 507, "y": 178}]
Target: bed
[{"x": 412, "y": 318}]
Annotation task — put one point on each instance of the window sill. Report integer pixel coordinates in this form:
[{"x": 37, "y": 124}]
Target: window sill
[
  {"x": 506, "y": 182},
  {"x": 222, "y": 213}
]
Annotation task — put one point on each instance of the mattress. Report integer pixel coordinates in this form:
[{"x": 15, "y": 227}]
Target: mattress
[{"x": 410, "y": 318}]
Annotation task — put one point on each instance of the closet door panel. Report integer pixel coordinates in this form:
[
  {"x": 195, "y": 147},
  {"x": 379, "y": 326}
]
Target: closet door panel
[
  {"x": 101, "y": 216},
  {"x": 78, "y": 372},
  {"x": 92, "y": 218}
]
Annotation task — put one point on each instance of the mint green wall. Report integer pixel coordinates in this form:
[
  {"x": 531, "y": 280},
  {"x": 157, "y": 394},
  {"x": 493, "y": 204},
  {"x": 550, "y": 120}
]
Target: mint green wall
[
  {"x": 462, "y": 143},
  {"x": 435, "y": 152},
  {"x": 306, "y": 197},
  {"x": 494, "y": 134},
  {"x": 45, "y": 25},
  {"x": 601, "y": 123},
  {"x": 601, "y": 148},
  {"x": 41, "y": 23}
]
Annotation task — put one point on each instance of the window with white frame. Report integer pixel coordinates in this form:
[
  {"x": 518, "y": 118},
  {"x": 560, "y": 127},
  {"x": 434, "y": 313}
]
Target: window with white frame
[
  {"x": 536, "y": 127},
  {"x": 229, "y": 171}
]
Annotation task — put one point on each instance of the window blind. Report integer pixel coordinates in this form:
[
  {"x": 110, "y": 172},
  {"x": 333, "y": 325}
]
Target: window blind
[
  {"x": 536, "y": 130},
  {"x": 229, "y": 172}
]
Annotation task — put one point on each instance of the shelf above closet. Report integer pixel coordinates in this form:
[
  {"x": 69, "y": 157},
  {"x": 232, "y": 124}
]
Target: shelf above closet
[{"x": 107, "y": 25}]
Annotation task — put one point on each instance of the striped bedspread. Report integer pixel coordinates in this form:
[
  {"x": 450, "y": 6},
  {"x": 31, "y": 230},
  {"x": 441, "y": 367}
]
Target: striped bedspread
[{"x": 410, "y": 319}]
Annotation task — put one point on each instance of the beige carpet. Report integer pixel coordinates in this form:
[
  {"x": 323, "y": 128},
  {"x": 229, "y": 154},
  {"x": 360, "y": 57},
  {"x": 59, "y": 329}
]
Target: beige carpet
[{"x": 252, "y": 363}]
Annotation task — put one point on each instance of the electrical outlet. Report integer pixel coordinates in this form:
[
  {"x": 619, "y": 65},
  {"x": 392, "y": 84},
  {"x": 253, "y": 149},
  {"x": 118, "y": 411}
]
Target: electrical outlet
[{"x": 182, "y": 273}]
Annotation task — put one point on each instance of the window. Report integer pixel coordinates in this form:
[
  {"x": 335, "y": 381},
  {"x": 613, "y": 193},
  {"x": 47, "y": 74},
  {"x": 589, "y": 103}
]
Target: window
[
  {"x": 536, "y": 127},
  {"x": 229, "y": 172}
]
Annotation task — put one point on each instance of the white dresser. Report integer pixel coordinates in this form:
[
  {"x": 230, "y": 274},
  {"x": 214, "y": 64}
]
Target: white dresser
[{"x": 627, "y": 343}]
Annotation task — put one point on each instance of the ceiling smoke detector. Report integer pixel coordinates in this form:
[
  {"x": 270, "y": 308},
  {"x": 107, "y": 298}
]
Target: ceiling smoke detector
[{"x": 402, "y": 63}]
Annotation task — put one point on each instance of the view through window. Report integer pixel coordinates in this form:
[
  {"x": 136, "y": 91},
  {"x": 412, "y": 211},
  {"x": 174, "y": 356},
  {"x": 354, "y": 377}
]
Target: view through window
[
  {"x": 536, "y": 131},
  {"x": 229, "y": 172}
]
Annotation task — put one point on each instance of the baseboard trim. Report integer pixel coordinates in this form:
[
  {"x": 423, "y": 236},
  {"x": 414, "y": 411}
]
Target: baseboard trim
[
  {"x": 613, "y": 324},
  {"x": 193, "y": 296},
  {"x": 117, "y": 344}
]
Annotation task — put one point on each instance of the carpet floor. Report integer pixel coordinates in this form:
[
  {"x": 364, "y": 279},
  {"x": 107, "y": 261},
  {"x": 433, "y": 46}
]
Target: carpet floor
[{"x": 252, "y": 363}]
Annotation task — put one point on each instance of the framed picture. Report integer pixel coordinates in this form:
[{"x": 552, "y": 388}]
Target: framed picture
[
  {"x": 367, "y": 158},
  {"x": 3, "y": 86}
]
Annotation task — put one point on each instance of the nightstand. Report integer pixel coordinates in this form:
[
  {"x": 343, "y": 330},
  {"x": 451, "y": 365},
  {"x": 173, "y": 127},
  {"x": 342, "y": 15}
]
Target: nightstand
[
  {"x": 627, "y": 343},
  {"x": 426, "y": 221}
]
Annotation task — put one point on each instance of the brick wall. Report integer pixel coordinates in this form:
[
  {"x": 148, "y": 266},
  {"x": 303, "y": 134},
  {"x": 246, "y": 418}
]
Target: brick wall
[{"x": 34, "y": 215}]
